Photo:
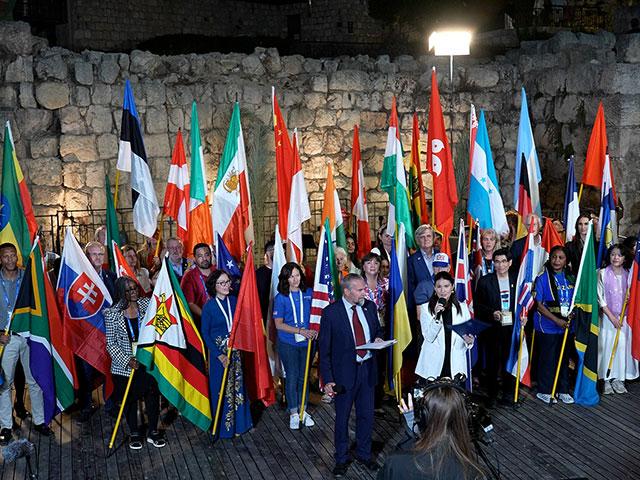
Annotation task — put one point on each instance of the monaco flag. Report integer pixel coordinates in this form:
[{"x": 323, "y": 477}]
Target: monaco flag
[
  {"x": 176, "y": 195},
  {"x": 359, "y": 197},
  {"x": 231, "y": 211}
]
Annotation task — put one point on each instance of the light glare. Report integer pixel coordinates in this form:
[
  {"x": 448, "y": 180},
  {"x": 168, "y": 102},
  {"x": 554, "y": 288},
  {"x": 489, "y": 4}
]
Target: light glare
[{"x": 450, "y": 43}]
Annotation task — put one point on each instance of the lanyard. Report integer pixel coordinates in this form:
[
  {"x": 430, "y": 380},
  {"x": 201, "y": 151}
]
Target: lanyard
[
  {"x": 293, "y": 307},
  {"x": 7, "y": 301},
  {"x": 228, "y": 316},
  {"x": 563, "y": 289},
  {"x": 204, "y": 287},
  {"x": 130, "y": 326}
]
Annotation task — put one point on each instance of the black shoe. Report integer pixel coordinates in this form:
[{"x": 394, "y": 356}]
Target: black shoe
[
  {"x": 21, "y": 412},
  {"x": 370, "y": 464},
  {"x": 156, "y": 439},
  {"x": 340, "y": 470},
  {"x": 5, "y": 436},
  {"x": 43, "y": 429},
  {"x": 135, "y": 442}
]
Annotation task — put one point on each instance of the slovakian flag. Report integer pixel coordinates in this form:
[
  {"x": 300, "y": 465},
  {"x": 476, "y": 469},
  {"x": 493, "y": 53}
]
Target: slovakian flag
[
  {"x": 571, "y": 204},
  {"x": 440, "y": 165},
  {"x": 225, "y": 260},
  {"x": 633, "y": 306},
  {"x": 596, "y": 153},
  {"x": 524, "y": 303},
  {"x": 332, "y": 211},
  {"x": 82, "y": 297},
  {"x": 36, "y": 317},
  {"x": 419, "y": 212},
  {"x": 247, "y": 334},
  {"x": 394, "y": 182},
  {"x": 132, "y": 157},
  {"x": 485, "y": 202},
  {"x": 359, "y": 197},
  {"x": 326, "y": 285},
  {"x": 177, "y": 194},
  {"x": 608, "y": 222},
  {"x": 200, "y": 228},
  {"x": 299, "y": 211},
  {"x": 284, "y": 165},
  {"x": 526, "y": 149},
  {"x": 231, "y": 210},
  {"x": 17, "y": 221}
]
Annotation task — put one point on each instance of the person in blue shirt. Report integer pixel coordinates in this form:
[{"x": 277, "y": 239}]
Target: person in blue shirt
[
  {"x": 553, "y": 293},
  {"x": 291, "y": 314},
  {"x": 217, "y": 322}
]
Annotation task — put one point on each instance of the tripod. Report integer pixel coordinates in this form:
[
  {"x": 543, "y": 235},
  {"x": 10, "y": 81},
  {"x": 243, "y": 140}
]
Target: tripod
[{"x": 494, "y": 472}]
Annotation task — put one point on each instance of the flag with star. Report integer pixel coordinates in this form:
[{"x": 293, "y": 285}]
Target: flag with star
[{"x": 225, "y": 260}]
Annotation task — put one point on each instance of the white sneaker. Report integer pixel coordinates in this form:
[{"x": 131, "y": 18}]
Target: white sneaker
[
  {"x": 545, "y": 397},
  {"x": 308, "y": 421},
  {"x": 294, "y": 422},
  {"x": 607, "y": 389},
  {"x": 566, "y": 398},
  {"x": 618, "y": 386}
]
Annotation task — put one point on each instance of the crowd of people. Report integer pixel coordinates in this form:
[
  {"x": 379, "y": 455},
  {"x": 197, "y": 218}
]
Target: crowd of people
[{"x": 349, "y": 376}]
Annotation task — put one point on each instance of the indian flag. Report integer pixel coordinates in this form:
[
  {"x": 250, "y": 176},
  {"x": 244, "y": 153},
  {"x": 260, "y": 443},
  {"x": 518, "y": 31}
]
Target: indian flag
[
  {"x": 171, "y": 349},
  {"x": 17, "y": 221},
  {"x": 200, "y": 229},
  {"x": 231, "y": 211},
  {"x": 332, "y": 212}
]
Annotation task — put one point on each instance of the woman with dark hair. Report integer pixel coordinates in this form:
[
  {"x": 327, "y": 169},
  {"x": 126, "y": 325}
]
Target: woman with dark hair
[
  {"x": 123, "y": 322},
  {"x": 142, "y": 274},
  {"x": 444, "y": 352},
  {"x": 352, "y": 250},
  {"x": 291, "y": 314},
  {"x": 444, "y": 449},
  {"x": 384, "y": 243},
  {"x": 553, "y": 294},
  {"x": 217, "y": 323},
  {"x": 613, "y": 281},
  {"x": 576, "y": 245}
]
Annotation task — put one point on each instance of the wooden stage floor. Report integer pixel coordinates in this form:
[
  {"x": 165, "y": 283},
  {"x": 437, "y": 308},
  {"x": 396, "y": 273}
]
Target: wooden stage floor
[{"x": 532, "y": 442}]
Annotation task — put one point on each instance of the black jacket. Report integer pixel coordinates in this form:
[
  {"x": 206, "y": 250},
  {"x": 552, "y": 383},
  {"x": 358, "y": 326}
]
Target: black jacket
[{"x": 487, "y": 296}]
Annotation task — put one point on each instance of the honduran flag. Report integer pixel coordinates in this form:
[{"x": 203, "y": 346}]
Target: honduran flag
[
  {"x": 608, "y": 223},
  {"x": 485, "y": 202},
  {"x": 571, "y": 204},
  {"x": 82, "y": 297}
]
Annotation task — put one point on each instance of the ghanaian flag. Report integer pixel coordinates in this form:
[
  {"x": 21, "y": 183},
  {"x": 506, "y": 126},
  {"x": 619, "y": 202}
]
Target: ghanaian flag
[
  {"x": 171, "y": 348},
  {"x": 17, "y": 222}
]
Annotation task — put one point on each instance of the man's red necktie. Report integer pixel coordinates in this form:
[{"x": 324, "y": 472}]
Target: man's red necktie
[{"x": 358, "y": 331}]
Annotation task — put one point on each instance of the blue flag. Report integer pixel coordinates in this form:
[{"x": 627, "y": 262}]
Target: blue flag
[
  {"x": 571, "y": 204},
  {"x": 225, "y": 261},
  {"x": 527, "y": 148}
]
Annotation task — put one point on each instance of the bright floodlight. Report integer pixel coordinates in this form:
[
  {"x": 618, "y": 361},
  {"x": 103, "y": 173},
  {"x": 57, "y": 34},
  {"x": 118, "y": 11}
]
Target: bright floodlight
[{"x": 450, "y": 43}]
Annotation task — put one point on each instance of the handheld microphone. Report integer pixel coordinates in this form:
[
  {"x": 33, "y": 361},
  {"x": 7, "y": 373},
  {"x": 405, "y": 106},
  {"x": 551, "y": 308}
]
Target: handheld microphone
[
  {"x": 443, "y": 302},
  {"x": 18, "y": 449}
]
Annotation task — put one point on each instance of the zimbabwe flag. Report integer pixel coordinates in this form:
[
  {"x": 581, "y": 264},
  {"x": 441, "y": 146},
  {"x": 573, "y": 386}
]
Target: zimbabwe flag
[
  {"x": 172, "y": 350},
  {"x": 17, "y": 222}
]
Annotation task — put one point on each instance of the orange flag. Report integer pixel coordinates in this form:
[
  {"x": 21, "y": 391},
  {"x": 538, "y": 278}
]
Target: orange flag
[
  {"x": 284, "y": 166},
  {"x": 248, "y": 335},
  {"x": 550, "y": 237},
  {"x": 440, "y": 165},
  {"x": 596, "y": 153}
]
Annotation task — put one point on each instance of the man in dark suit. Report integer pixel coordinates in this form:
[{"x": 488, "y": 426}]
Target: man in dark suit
[
  {"x": 350, "y": 374},
  {"x": 517, "y": 247},
  {"x": 420, "y": 267},
  {"x": 495, "y": 301}
]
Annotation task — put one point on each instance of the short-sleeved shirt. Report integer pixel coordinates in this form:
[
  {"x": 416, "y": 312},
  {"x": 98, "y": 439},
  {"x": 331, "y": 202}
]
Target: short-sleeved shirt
[
  {"x": 193, "y": 286},
  {"x": 282, "y": 309}
]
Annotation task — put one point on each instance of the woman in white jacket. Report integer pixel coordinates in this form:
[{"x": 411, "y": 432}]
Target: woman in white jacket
[{"x": 444, "y": 352}]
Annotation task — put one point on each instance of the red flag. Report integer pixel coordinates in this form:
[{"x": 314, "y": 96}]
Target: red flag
[
  {"x": 440, "y": 163},
  {"x": 123, "y": 269},
  {"x": 633, "y": 306},
  {"x": 596, "y": 153},
  {"x": 284, "y": 166},
  {"x": 550, "y": 237},
  {"x": 418, "y": 199},
  {"x": 359, "y": 197},
  {"x": 177, "y": 193},
  {"x": 248, "y": 335}
]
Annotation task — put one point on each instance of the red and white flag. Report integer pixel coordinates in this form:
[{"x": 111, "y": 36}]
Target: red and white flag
[
  {"x": 284, "y": 165},
  {"x": 299, "y": 211},
  {"x": 359, "y": 197},
  {"x": 177, "y": 192}
]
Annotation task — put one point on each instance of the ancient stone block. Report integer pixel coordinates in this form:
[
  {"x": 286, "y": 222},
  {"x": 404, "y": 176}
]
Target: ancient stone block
[
  {"x": 8, "y": 97},
  {"x": 481, "y": 76},
  {"x": 48, "y": 196},
  {"x": 51, "y": 67},
  {"x": 27, "y": 99},
  {"x": 101, "y": 94},
  {"x": 20, "y": 70},
  {"x": 15, "y": 38},
  {"x": 44, "y": 146},
  {"x": 45, "y": 171},
  {"x": 292, "y": 65},
  {"x": 52, "y": 95},
  {"x": 94, "y": 176},
  {"x": 78, "y": 148},
  {"x": 72, "y": 121},
  {"x": 252, "y": 65},
  {"x": 314, "y": 101},
  {"x": 157, "y": 145},
  {"x": 300, "y": 118},
  {"x": 83, "y": 72},
  {"x": 319, "y": 83},
  {"x": 99, "y": 119},
  {"x": 566, "y": 109},
  {"x": 156, "y": 119},
  {"x": 109, "y": 70},
  {"x": 325, "y": 118},
  {"x": 143, "y": 62},
  {"x": 33, "y": 121},
  {"x": 349, "y": 80},
  {"x": 107, "y": 146}
]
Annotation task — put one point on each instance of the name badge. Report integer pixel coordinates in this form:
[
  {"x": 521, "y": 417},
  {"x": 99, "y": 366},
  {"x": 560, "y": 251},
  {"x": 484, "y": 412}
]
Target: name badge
[
  {"x": 134, "y": 347},
  {"x": 299, "y": 338},
  {"x": 564, "y": 310},
  {"x": 506, "y": 318}
]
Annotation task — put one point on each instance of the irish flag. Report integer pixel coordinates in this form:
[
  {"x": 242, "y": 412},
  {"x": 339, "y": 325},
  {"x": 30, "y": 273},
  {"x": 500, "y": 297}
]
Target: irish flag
[
  {"x": 332, "y": 212},
  {"x": 231, "y": 211},
  {"x": 200, "y": 229},
  {"x": 359, "y": 197}
]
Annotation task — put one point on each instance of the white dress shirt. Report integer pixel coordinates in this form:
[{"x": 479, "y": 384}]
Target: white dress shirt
[{"x": 365, "y": 327}]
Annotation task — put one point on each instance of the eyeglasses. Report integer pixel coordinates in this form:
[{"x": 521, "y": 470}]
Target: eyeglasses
[{"x": 224, "y": 282}]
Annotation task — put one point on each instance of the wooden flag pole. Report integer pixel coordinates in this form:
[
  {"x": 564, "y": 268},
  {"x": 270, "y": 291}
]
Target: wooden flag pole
[
  {"x": 306, "y": 379},
  {"x": 564, "y": 343},
  {"x": 222, "y": 386},
  {"x": 124, "y": 401},
  {"x": 115, "y": 194},
  {"x": 533, "y": 339},
  {"x": 515, "y": 395},
  {"x": 617, "y": 338},
  {"x": 159, "y": 236},
  {"x": 580, "y": 193}
]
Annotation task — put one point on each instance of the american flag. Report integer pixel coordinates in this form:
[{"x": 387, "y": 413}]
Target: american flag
[{"x": 325, "y": 281}]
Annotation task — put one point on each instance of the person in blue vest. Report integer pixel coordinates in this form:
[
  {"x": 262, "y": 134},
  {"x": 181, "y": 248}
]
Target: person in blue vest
[{"x": 291, "y": 315}]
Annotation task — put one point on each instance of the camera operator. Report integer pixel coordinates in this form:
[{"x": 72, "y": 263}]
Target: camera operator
[{"x": 443, "y": 448}]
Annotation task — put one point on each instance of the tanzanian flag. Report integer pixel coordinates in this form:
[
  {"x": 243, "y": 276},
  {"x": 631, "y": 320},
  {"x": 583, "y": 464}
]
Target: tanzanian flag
[
  {"x": 36, "y": 317},
  {"x": 171, "y": 348},
  {"x": 585, "y": 308},
  {"x": 17, "y": 222}
]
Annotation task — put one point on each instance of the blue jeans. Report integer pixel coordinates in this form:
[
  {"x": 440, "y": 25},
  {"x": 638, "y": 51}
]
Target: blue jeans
[{"x": 294, "y": 358}]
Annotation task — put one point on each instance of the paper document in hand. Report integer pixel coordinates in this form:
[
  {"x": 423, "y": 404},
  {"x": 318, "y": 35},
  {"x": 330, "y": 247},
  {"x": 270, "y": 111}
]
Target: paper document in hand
[{"x": 377, "y": 345}]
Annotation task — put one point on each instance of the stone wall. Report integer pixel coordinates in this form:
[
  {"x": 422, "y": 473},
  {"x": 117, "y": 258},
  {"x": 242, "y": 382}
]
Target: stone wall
[{"x": 65, "y": 110}]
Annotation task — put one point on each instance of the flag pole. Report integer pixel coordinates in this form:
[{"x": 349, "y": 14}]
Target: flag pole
[
  {"x": 580, "y": 193},
  {"x": 122, "y": 405},
  {"x": 115, "y": 194},
  {"x": 306, "y": 379},
  {"x": 533, "y": 339},
  {"x": 515, "y": 395},
  {"x": 564, "y": 343},
  {"x": 159, "y": 235},
  {"x": 222, "y": 386},
  {"x": 617, "y": 338}
]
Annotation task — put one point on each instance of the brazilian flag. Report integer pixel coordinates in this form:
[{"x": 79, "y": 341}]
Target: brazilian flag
[
  {"x": 17, "y": 221},
  {"x": 585, "y": 309}
]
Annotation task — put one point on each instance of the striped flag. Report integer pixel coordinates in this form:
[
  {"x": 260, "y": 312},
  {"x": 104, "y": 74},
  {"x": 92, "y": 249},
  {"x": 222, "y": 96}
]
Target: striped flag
[
  {"x": 17, "y": 221},
  {"x": 113, "y": 229},
  {"x": 132, "y": 157},
  {"x": 524, "y": 205},
  {"x": 608, "y": 222},
  {"x": 463, "y": 274},
  {"x": 359, "y": 196},
  {"x": 299, "y": 211},
  {"x": 171, "y": 349},
  {"x": 526, "y": 149},
  {"x": 36, "y": 317},
  {"x": 279, "y": 259},
  {"x": 326, "y": 286},
  {"x": 177, "y": 193},
  {"x": 571, "y": 204},
  {"x": 633, "y": 307},
  {"x": 416, "y": 187},
  {"x": 231, "y": 210},
  {"x": 332, "y": 211},
  {"x": 200, "y": 229}
]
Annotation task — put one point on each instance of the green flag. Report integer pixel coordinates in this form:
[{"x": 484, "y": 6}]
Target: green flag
[{"x": 113, "y": 232}]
